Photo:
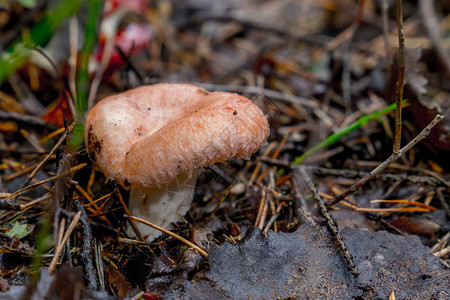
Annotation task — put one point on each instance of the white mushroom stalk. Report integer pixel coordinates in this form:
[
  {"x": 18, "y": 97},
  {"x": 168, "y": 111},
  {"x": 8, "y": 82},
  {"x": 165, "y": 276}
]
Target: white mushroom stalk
[
  {"x": 153, "y": 139},
  {"x": 162, "y": 206}
]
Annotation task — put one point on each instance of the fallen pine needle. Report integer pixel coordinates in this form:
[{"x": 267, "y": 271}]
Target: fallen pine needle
[
  {"x": 405, "y": 202},
  {"x": 52, "y": 135},
  {"x": 39, "y": 166},
  {"x": 398, "y": 209},
  {"x": 127, "y": 212},
  {"x": 23, "y": 190},
  {"x": 60, "y": 246},
  {"x": 35, "y": 201},
  {"x": 99, "y": 199},
  {"x": 134, "y": 242},
  {"x": 392, "y": 295},
  {"x": 192, "y": 245},
  {"x": 443, "y": 252}
]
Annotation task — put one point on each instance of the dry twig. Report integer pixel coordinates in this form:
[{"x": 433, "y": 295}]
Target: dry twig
[
  {"x": 125, "y": 208},
  {"x": 330, "y": 222},
  {"x": 87, "y": 251},
  {"x": 39, "y": 166},
  {"x": 401, "y": 79},
  {"x": 302, "y": 207}
]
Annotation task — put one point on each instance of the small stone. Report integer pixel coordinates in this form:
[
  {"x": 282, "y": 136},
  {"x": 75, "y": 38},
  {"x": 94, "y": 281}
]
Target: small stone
[{"x": 238, "y": 188}]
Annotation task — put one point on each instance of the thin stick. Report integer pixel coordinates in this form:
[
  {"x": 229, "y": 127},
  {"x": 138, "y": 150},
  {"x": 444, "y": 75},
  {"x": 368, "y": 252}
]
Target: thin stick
[
  {"x": 441, "y": 243},
  {"x": 394, "y": 209},
  {"x": 401, "y": 79},
  {"x": 52, "y": 135},
  {"x": 39, "y": 166},
  {"x": 274, "y": 217},
  {"x": 260, "y": 209},
  {"x": 87, "y": 243},
  {"x": 224, "y": 196},
  {"x": 192, "y": 245},
  {"x": 60, "y": 246},
  {"x": 125, "y": 208},
  {"x": 330, "y": 222},
  {"x": 133, "y": 242},
  {"x": 302, "y": 207},
  {"x": 62, "y": 226},
  {"x": 99, "y": 199},
  {"x": 23, "y": 190},
  {"x": 35, "y": 201},
  {"x": 394, "y": 156},
  {"x": 22, "y": 171},
  {"x": 262, "y": 218}
]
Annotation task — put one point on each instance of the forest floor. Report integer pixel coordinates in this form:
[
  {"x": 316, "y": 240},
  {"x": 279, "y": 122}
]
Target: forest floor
[{"x": 308, "y": 216}]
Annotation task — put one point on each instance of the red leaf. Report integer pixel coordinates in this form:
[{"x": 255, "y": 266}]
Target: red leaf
[{"x": 58, "y": 110}]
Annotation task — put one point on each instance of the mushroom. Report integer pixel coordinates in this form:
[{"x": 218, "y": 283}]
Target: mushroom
[{"x": 152, "y": 140}]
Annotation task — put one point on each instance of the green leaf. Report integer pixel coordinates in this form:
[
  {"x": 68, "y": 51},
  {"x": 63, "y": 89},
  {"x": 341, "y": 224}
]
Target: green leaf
[{"x": 19, "y": 230}]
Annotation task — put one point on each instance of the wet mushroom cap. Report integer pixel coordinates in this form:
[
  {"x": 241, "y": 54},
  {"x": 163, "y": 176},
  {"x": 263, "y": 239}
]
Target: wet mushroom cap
[{"x": 149, "y": 135}]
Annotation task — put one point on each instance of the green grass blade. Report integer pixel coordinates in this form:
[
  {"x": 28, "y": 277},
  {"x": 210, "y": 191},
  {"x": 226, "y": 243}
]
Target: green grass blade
[
  {"x": 90, "y": 41},
  {"x": 76, "y": 139},
  {"x": 16, "y": 55},
  {"x": 336, "y": 136}
]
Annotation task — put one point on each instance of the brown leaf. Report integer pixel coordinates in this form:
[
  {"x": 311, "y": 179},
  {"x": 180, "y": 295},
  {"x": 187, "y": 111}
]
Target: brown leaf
[{"x": 416, "y": 225}]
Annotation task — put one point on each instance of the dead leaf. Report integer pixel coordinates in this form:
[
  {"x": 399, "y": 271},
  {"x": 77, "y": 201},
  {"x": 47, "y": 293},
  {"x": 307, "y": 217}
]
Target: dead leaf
[{"x": 58, "y": 110}]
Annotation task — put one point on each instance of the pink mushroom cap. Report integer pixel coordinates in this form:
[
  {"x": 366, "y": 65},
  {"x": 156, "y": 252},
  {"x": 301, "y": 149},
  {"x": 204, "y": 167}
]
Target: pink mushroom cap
[{"x": 148, "y": 136}]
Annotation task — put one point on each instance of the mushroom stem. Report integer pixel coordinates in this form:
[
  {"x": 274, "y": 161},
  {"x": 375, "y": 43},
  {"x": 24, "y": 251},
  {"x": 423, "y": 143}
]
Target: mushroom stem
[{"x": 162, "y": 206}]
